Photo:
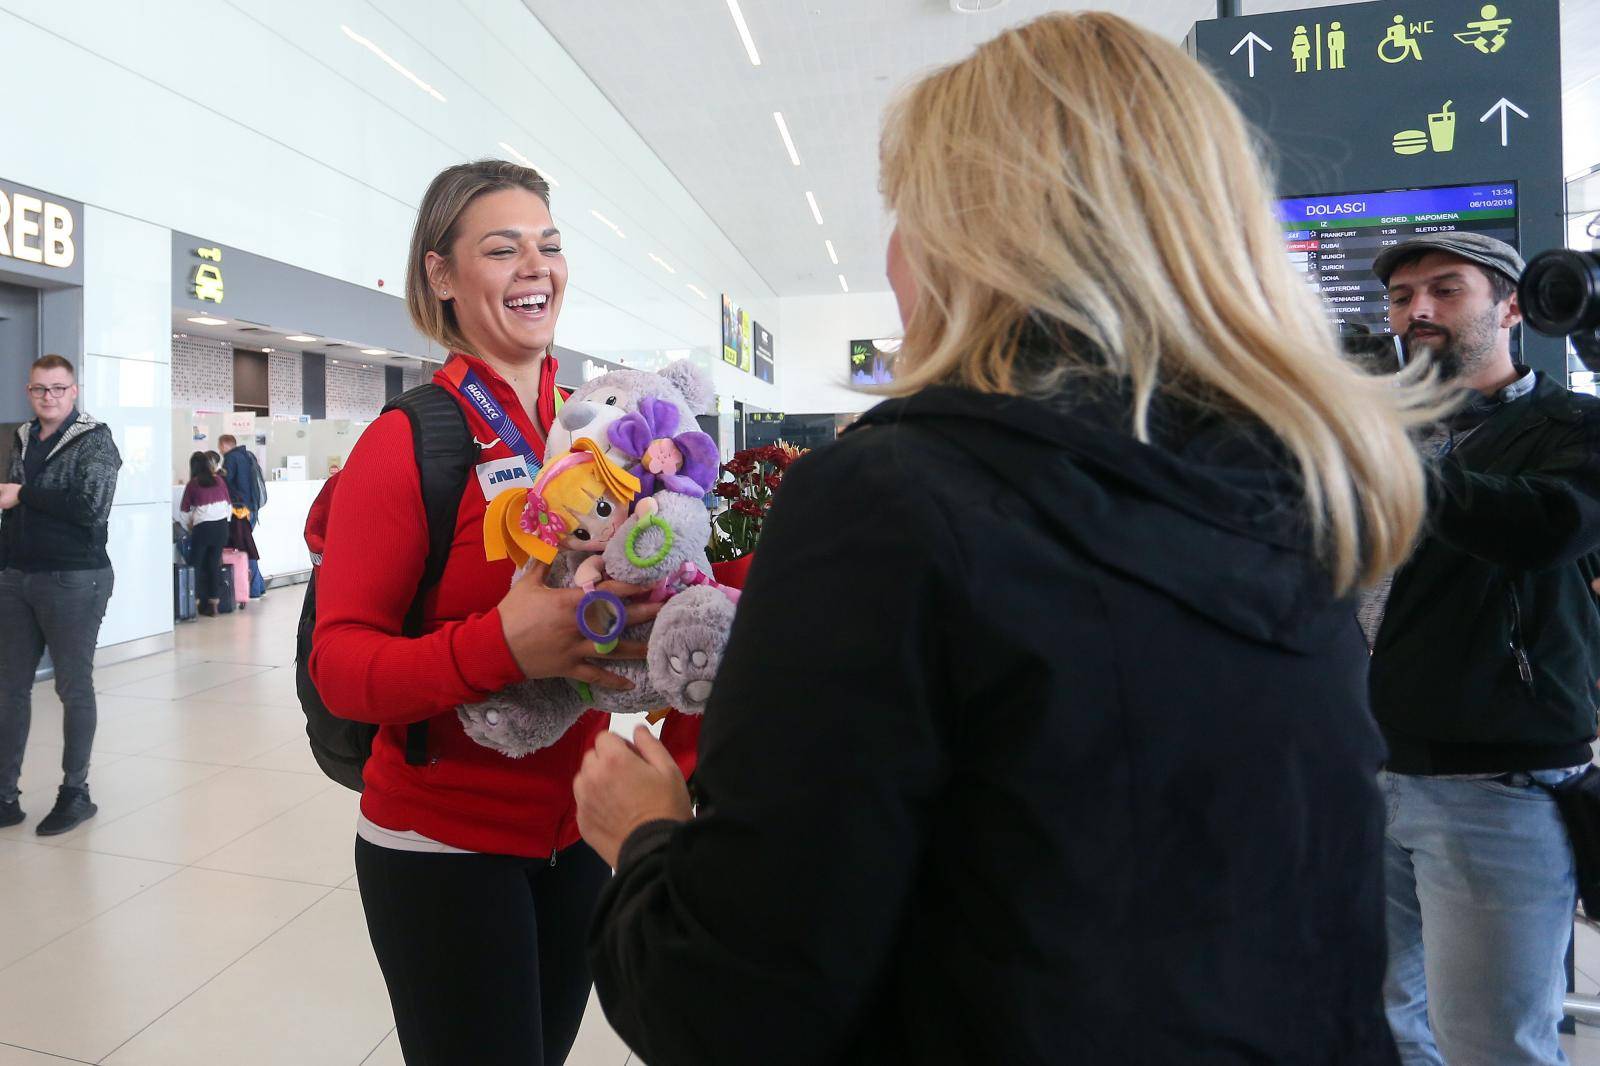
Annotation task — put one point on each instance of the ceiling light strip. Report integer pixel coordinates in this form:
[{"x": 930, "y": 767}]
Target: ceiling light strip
[
  {"x": 788, "y": 141},
  {"x": 381, "y": 54},
  {"x": 607, "y": 222},
  {"x": 525, "y": 161},
  {"x": 816, "y": 212},
  {"x": 831, "y": 253},
  {"x": 696, "y": 290},
  {"x": 662, "y": 263},
  {"x": 744, "y": 32},
  {"x": 843, "y": 284}
]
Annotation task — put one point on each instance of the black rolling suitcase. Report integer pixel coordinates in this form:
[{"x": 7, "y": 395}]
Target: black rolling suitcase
[
  {"x": 183, "y": 593},
  {"x": 226, "y": 604}
]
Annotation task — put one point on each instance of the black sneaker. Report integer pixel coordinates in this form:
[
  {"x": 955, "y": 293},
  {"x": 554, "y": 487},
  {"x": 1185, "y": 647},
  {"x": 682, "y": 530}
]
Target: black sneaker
[
  {"x": 11, "y": 813},
  {"x": 72, "y": 807}
]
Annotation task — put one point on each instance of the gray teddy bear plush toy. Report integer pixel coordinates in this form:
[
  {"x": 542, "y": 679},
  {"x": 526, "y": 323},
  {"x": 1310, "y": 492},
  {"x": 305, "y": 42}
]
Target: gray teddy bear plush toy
[{"x": 620, "y": 497}]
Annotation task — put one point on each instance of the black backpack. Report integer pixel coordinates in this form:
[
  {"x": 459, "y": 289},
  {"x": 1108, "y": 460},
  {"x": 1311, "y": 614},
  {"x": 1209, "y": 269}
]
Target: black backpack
[
  {"x": 258, "y": 480},
  {"x": 445, "y": 458}
]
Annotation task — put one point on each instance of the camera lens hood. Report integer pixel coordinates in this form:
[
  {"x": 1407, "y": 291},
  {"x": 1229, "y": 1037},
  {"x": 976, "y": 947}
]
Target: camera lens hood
[{"x": 1560, "y": 292}]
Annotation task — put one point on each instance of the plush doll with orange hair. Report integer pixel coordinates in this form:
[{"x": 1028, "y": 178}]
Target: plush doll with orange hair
[{"x": 585, "y": 516}]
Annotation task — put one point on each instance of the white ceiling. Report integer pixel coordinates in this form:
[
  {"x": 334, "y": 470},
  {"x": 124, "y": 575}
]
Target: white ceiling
[{"x": 678, "y": 74}]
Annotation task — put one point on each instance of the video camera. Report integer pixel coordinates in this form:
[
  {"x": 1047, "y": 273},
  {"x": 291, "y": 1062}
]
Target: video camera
[{"x": 1560, "y": 297}]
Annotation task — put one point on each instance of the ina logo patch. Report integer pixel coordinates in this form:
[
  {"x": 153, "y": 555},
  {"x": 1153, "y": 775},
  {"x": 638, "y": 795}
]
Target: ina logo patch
[{"x": 502, "y": 474}]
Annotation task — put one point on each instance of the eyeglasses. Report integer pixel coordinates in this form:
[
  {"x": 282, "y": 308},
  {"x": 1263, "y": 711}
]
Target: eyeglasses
[{"x": 56, "y": 391}]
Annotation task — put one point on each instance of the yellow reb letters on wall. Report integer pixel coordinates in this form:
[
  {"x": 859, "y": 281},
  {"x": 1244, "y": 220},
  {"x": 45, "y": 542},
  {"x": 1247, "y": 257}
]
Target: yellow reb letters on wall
[
  {"x": 208, "y": 276},
  {"x": 59, "y": 248},
  {"x": 37, "y": 231}
]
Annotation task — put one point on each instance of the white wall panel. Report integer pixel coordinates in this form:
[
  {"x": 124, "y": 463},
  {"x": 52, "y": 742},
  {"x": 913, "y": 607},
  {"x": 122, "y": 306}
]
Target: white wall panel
[
  {"x": 127, "y": 303},
  {"x": 813, "y": 355},
  {"x": 127, "y": 384},
  {"x": 1580, "y": 117},
  {"x": 132, "y": 396},
  {"x": 141, "y": 555}
]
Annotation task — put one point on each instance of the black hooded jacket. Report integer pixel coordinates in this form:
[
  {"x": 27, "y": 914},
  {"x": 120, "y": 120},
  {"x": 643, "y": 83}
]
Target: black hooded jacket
[{"x": 1033, "y": 744}]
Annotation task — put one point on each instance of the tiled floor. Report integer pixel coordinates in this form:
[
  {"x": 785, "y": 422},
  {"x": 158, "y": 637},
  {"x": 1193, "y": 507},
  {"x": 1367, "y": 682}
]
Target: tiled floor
[{"x": 208, "y": 914}]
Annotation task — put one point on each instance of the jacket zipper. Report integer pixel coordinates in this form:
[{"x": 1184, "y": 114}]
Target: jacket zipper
[{"x": 1518, "y": 652}]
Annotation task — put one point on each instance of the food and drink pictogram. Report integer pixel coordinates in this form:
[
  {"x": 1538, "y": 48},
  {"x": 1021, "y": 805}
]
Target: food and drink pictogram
[{"x": 1440, "y": 134}]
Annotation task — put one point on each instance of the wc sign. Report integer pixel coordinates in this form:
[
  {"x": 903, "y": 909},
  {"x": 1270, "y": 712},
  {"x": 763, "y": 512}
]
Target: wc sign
[{"x": 38, "y": 230}]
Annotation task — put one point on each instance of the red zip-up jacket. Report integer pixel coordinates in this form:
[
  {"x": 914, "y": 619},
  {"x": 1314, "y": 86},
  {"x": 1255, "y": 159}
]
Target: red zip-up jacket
[{"x": 467, "y": 796}]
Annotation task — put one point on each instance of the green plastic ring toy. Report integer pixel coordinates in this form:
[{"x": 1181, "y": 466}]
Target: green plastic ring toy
[{"x": 650, "y": 521}]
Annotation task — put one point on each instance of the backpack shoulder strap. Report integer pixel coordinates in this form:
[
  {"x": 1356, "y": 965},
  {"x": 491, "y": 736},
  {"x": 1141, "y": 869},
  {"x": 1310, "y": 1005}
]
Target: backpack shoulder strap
[{"x": 445, "y": 453}]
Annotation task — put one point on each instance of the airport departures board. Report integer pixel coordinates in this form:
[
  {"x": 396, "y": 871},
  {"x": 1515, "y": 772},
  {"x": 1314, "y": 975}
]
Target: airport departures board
[{"x": 1333, "y": 240}]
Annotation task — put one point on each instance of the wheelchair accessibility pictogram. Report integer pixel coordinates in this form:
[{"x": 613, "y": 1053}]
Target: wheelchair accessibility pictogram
[{"x": 1400, "y": 42}]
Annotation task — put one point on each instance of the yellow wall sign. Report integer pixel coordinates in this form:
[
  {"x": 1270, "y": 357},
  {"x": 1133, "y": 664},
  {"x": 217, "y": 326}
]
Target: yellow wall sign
[
  {"x": 207, "y": 281},
  {"x": 34, "y": 230}
]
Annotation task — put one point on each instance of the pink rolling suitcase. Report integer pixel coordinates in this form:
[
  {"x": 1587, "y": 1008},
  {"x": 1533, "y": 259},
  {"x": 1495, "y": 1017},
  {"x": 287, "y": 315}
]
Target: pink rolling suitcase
[{"x": 237, "y": 561}]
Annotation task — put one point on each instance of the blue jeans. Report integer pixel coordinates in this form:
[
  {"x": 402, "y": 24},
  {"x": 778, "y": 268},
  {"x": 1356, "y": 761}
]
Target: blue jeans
[{"x": 1481, "y": 895}]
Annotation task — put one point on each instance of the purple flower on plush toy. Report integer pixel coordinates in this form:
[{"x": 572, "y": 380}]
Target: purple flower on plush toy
[{"x": 679, "y": 462}]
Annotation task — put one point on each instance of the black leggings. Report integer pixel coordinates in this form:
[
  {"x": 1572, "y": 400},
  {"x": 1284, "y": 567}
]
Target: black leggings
[
  {"x": 483, "y": 954},
  {"x": 209, "y": 538}
]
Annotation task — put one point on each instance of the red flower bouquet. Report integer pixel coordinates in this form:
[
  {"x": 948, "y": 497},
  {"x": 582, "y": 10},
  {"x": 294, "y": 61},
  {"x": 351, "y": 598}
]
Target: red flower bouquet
[{"x": 751, "y": 482}]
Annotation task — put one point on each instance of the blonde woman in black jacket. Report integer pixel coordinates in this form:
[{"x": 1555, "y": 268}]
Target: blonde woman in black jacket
[{"x": 1042, "y": 736}]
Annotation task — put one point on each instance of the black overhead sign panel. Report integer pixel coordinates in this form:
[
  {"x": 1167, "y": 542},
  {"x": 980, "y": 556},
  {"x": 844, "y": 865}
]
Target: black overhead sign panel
[{"x": 1373, "y": 97}]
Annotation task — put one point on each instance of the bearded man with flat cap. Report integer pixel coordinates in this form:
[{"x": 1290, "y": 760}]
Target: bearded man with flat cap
[{"x": 1484, "y": 660}]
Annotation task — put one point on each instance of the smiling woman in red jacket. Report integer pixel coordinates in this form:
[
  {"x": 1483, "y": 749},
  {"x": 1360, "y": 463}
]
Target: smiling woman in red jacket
[{"x": 476, "y": 887}]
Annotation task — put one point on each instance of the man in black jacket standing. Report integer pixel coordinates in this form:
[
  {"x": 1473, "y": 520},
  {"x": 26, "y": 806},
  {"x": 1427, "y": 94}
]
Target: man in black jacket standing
[
  {"x": 246, "y": 488},
  {"x": 1483, "y": 675},
  {"x": 55, "y": 581}
]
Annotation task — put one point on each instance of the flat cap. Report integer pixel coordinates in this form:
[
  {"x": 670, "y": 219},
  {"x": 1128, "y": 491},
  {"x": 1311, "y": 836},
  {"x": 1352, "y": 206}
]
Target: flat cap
[{"x": 1473, "y": 247}]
